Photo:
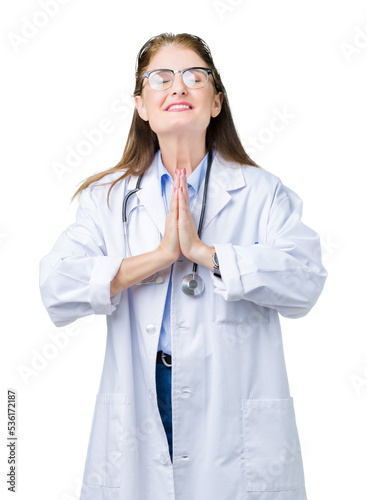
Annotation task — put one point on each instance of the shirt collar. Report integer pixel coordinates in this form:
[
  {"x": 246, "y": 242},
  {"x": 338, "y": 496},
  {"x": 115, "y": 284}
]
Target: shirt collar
[{"x": 195, "y": 178}]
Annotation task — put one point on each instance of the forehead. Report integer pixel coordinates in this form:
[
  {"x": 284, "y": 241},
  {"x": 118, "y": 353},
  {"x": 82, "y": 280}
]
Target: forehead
[{"x": 175, "y": 58}]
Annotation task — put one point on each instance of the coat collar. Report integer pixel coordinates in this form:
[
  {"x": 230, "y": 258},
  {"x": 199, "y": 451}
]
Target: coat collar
[{"x": 224, "y": 177}]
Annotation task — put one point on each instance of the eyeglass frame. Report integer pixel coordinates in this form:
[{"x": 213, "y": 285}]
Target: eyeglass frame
[{"x": 208, "y": 72}]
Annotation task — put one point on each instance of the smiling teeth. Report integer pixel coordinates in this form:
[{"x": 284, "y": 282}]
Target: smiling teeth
[{"x": 178, "y": 106}]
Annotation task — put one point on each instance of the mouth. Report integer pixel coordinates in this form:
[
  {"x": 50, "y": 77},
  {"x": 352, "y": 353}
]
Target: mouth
[{"x": 179, "y": 107}]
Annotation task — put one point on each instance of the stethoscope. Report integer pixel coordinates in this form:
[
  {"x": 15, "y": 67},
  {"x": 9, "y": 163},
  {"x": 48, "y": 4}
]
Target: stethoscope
[{"x": 192, "y": 284}]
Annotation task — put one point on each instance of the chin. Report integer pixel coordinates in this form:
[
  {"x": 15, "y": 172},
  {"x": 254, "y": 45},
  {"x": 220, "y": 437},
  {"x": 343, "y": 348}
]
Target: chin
[{"x": 177, "y": 126}]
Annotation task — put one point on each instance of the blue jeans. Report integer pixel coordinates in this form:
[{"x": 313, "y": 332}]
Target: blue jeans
[{"x": 163, "y": 381}]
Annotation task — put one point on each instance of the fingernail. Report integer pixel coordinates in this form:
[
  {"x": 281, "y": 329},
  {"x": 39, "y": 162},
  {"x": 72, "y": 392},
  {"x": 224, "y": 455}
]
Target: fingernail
[
  {"x": 184, "y": 171},
  {"x": 175, "y": 190},
  {"x": 181, "y": 190}
]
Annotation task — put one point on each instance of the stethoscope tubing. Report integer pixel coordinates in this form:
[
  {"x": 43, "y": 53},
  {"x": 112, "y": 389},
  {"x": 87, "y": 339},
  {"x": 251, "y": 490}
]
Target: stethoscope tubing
[{"x": 203, "y": 206}]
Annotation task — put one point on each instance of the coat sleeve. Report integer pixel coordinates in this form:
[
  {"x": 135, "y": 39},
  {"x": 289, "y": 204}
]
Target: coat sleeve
[
  {"x": 75, "y": 276},
  {"x": 284, "y": 272}
]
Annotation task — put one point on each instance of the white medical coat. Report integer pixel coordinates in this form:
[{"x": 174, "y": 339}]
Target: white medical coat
[{"x": 234, "y": 429}]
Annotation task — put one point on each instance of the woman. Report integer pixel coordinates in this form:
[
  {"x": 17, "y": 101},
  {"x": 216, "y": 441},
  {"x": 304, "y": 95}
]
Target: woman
[{"x": 194, "y": 400}]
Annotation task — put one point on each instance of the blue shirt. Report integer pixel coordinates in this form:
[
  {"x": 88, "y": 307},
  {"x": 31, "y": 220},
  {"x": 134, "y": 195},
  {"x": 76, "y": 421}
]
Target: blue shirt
[{"x": 193, "y": 183}]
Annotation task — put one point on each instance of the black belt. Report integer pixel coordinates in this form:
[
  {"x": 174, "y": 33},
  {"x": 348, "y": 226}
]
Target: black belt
[{"x": 164, "y": 359}]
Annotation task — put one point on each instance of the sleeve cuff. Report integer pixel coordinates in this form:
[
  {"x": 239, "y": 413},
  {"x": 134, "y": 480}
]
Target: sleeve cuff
[
  {"x": 230, "y": 286},
  {"x": 104, "y": 271}
]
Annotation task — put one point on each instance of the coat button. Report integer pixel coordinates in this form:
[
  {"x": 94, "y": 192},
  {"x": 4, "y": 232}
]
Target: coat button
[
  {"x": 150, "y": 329},
  {"x": 163, "y": 459}
]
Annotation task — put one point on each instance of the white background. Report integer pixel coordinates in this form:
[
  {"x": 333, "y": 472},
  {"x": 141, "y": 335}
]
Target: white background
[{"x": 76, "y": 67}]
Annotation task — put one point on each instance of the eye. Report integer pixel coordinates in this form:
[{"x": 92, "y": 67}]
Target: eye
[
  {"x": 195, "y": 77},
  {"x": 160, "y": 78}
]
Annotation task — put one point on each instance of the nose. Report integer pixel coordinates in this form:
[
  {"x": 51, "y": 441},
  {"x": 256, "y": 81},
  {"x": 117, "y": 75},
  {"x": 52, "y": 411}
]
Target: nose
[{"x": 178, "y": 85}]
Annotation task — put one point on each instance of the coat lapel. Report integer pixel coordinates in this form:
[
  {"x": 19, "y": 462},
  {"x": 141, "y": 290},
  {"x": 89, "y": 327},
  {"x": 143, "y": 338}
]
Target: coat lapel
[
  {"x": 224, "y": 177},
  {"x": 150, "y": 195}
]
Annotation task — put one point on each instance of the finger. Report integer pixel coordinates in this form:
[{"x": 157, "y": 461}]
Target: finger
[
  {"x": 185, "y": 216},
  {"x": 170, "y": 239},
  {"x": 174, "y": 196},
  {"x": 184, "y": 188},
  {"x": 176, "y": 178},
  {"x": 183, "y": 202}
]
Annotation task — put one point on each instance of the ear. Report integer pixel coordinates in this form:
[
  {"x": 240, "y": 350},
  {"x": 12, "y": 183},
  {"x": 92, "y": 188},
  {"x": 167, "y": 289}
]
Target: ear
[
  {"x": 217, "y": 104},
  {"x": 140, "y": 107}
]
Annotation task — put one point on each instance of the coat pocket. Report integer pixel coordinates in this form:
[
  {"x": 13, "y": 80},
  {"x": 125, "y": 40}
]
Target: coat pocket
[
  {"x": 239, "y": 312},
  {"x": 104, "y": 456},
  {"x": 272, "y": 458}
]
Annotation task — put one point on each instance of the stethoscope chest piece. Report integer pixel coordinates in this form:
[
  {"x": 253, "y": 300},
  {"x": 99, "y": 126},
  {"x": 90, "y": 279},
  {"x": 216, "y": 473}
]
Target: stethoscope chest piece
[{"x": 192, "y": 284}]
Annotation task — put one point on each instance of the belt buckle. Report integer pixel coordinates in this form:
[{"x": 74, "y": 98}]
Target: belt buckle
[{"x": 164, "y": 361}]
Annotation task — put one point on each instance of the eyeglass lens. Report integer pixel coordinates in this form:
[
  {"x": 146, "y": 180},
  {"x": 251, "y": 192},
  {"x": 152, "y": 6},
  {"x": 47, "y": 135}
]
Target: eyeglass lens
[{"x": 193, "y": 78}]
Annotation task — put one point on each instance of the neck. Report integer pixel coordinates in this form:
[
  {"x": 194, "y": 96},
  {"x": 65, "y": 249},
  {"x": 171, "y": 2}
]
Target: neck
[{"x": 181, "y": 152}]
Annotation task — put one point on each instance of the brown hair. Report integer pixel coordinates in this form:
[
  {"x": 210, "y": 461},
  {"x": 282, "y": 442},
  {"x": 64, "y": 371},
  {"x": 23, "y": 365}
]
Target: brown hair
[{"x": 142, "y": 143}]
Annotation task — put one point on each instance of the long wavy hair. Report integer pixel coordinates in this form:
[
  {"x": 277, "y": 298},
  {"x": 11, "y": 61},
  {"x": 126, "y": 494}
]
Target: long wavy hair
[{"x": 142, "y": 143}]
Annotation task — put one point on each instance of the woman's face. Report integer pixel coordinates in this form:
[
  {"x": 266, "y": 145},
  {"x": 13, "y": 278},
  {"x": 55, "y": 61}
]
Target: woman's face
[{"x": 204, "y": 102}]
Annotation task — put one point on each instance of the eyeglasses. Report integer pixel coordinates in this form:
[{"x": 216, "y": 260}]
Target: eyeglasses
[{"x": 162, "y": 79}]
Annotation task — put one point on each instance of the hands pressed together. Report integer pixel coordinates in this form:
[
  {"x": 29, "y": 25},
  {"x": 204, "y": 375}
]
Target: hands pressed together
[{"x": 180, "y": 234}]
